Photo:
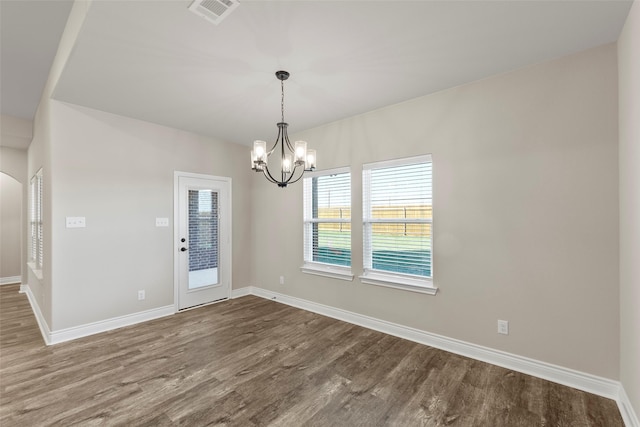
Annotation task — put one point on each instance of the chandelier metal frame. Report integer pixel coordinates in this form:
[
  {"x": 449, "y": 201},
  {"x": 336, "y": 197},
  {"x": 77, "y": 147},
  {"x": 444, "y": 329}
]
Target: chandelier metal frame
[{"x": 295, "y": 159}]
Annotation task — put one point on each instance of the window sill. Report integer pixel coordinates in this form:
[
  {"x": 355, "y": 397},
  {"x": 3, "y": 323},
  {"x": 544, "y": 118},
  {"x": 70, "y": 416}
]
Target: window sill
[
  {"x": 399, "y": 282},
  {"x": 38, "y": 273},
  {"x": 334, "y": 272}
]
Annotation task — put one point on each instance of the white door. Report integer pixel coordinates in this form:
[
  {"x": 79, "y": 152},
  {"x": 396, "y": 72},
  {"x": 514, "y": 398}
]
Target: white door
[{"x": 202, "y": 239}]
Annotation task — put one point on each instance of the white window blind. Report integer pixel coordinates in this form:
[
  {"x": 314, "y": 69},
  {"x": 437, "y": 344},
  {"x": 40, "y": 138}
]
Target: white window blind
[
  {"x": 327, "y": 217},
  {"x": 35, "y": 221},
  {"x": 397, "y": 218}
]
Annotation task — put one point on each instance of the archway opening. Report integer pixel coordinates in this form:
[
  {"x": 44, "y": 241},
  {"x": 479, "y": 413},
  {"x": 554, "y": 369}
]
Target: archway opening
[{"x": 11, "y": 222}]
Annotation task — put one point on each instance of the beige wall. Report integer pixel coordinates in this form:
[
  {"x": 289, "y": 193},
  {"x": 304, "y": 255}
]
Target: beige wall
[
  {"x": 15, "y": 137},
  {"x": 13, "y": 162},
  {"x": 15, "y": 133},
  {"x": 525, "y": 212},
  {"x": 118, "y": 173},
  {"x": 39, "y": 157},
  {"x": 10, "y": 228},
  {"x": 629, "y": 117}
]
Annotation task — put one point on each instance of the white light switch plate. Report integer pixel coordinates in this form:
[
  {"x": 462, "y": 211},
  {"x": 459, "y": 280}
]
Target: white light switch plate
[
  {"x": 162, "y": 222},
  {"x": 76, "y": 222}
]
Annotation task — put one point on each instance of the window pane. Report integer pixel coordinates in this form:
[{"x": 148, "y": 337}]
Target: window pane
[
  {"x": 40, "y": 260},
  {"x": 33, "y": 220},
  {"x": 332, "y": 196},
  {"x": 203, "y": 238},
  {"x": 36, "y": 254},
  {"x": 397, "y": 213},
  {"x": 401, "y": 186},
  {"x": 417, "y": 211},
  {"x": 327, "y": 216},
  {"x": 401, "y": 248},
  {"x": 34, "y": 241},
  {"x": 333, "y": 245}
]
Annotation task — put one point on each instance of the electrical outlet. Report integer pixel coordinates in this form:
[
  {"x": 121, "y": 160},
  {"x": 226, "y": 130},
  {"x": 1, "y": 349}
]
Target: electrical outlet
[
  {"x": 162, "y": 222},
  {"x": 282, "y": 280},
  {"x": 141, "y": 295},
  {"x": 503, "y": 327}
]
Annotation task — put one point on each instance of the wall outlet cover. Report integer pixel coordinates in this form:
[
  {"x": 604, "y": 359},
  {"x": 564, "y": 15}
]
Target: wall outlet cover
[
  {"x": 503, "y": 327},
  {"x": 76, "y": 222}
]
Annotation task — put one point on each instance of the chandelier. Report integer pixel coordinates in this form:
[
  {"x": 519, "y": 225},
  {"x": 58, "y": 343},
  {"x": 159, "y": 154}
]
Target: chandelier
[{"x": 294, "y": 160}]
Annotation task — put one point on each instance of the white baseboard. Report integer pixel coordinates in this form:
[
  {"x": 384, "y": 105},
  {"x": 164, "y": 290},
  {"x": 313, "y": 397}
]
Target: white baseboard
[
  {"x": 558, "y": 374},
  {"x": 12, "y": 280},
  {"x": 76, "y": 332},
  {"x": 241, "y": 292},
  {"x": 626, "y": 410},
  {"x": 68, "y": 334},
  {"x": 42, "y": 323}
]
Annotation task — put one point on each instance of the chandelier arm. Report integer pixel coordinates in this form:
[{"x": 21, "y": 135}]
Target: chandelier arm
[
  {"x": 286, "y": 139},
  {"x": 267, "y": 175},
  {"x": 275, "y": 144},
  {"x": 289, "y": 181},
  {"x": 291, "y": 174}
]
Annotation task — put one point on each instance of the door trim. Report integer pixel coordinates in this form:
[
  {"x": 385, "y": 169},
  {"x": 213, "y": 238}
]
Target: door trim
[{"x": 176, "y": 234}]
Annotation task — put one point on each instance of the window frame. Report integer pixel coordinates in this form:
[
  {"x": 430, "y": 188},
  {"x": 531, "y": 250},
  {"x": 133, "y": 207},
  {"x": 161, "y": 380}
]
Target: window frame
[
  {"x": 36, "y": 250},
  {"x": 409, "y": 282},
  {"x": 309, "y": 266}
]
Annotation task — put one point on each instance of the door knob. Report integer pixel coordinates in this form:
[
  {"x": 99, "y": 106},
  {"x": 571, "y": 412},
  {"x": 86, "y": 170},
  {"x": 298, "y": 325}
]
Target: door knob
[{"x": 183, "y": 249}]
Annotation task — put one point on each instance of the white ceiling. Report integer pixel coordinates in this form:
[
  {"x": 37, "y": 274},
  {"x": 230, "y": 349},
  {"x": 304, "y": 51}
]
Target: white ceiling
[{"x": 157, "y": 61}]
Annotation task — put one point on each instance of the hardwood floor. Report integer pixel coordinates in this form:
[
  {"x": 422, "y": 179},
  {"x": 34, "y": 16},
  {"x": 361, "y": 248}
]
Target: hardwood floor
[{"x": 254, "y": 362}]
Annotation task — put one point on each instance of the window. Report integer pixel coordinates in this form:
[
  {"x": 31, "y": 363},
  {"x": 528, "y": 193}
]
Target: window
[
  {"x": 397, "y": 212},
  {"x": 327, "y": 223},
  {"x": 35, "y": 222}
]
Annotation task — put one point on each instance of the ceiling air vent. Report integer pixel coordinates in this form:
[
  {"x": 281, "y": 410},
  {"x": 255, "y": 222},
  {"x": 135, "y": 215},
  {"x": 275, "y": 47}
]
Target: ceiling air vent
[{"x": 213, "y": 10}]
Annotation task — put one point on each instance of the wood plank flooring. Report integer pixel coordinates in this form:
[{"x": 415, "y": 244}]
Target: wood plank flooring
[{"x": 254, "y": 362}]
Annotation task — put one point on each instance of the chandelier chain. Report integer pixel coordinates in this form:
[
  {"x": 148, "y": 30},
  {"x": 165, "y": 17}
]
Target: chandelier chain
[{"x": 282, "y": 99}]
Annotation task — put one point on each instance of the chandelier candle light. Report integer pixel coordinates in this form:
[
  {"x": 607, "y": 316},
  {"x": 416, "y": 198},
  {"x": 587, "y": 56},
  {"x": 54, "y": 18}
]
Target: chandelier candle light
[{"x": 294, "y": 160}]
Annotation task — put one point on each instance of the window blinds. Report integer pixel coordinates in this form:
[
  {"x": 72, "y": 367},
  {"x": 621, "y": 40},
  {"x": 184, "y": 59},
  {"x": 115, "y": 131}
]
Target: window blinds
[
  {"x": 397, "y": 216},
  {"x": 327, "y": 217},
  {"x": 37, "y": 248}
]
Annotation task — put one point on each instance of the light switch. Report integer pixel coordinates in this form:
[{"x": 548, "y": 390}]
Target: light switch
[
  {"x": 162, "y": 222},
  {"x": 76, "y": 222}
]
